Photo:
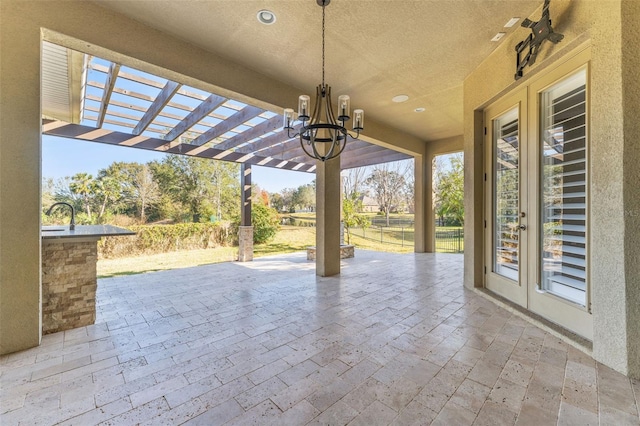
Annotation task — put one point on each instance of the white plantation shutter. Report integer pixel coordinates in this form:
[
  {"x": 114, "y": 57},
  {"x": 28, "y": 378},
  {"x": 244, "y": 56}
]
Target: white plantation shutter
[
  {"x": 507, "y": 195},
  {"x": 564, "y": 189}
]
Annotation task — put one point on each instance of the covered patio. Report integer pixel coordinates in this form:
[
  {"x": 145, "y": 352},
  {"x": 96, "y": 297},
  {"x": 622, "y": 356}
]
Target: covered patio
[
  {"x": 391, "y": 339},
  {"x": 394, "y": 339}
]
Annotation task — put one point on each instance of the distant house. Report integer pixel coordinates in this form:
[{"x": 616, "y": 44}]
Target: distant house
[{"x": 369, "y": 205}]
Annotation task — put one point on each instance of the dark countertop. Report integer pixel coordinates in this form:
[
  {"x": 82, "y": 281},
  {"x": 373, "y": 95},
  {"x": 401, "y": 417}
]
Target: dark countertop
[{"x": 83, "y": 231}]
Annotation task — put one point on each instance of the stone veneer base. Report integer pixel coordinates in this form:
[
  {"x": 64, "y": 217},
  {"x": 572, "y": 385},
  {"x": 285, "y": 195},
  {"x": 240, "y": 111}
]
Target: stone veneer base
[
  {"x": 69, "y": 284},
  {"x": 346, "y": 251},
  {"x": 245, "y": 244}
]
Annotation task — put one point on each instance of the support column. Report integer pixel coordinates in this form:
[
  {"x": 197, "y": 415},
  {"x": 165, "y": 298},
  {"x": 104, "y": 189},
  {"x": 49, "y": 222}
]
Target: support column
[
  {"x": 473, "y": 202},
  {"x": 328, "y": 217},
  {"x": 20, "y": 312},
  {"x": 424, "y": 226},
  {"x": 245, "y": 231}
]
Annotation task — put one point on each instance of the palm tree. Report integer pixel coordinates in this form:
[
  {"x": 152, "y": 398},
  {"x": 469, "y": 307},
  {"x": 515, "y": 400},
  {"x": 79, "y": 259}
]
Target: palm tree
[{"x": 83, "y": 185}]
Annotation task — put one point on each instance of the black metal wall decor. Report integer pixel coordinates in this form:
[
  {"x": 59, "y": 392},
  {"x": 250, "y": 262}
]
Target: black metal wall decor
[{"x": 540, "y": 31}]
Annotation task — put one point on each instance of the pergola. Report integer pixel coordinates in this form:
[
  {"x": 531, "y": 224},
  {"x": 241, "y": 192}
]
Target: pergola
[{"x": 92, "y": 99}]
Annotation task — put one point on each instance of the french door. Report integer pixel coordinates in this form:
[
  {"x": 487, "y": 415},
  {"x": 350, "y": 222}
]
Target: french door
[
  {"x": 536, "y": 197},
  {"x": 506, "y": 198}
]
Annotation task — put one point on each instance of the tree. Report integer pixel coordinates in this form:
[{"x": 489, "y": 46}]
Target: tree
[
  {"x": 264, "y": 197},
  {"x": 304, "y": 197},
  {"x": 386, "y": 181},
  {"x": 354, "y": 183},
  {"x": 277, "y": 201},
  {"x": 197, "y": 187},
  {"x": 108, "y": 190},
  {"x": 350, "y": 216},
  {"x": 83, "y": 185},
  {"x": 449, "y": 190},
  {"x": 408, "y": 190},
  {"x": 265, "y": 223},
  {"x": 288, "y": 199},
  {"x": 145, "y": 190}
]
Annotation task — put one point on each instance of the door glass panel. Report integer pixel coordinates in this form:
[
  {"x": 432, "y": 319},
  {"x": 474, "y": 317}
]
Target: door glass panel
[
  {"x": 506, "y": 190},
  {"x": 564, "y": 189}
]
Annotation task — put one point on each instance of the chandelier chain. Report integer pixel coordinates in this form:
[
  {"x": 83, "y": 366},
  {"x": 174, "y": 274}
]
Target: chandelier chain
[
  {"x": 320, "y": 127},
  {"x": 323, "y": 6}
]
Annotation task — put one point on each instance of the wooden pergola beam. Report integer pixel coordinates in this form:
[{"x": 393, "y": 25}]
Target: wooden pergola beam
[
  {"x": 373, "y": 159},
  {"x": 112, "y": 137},
  {"x": 294, "y": 151},
  {"x": 112, "y": 76},
  {"x": 281, "y": 149},
  {"x": 298, "y": 155},
  {"x": 248, "y": 135},
  {"x": 264, "y": 143},
  {"x": 156, "y": 106},
  {"x": 201, "y": 111},
  {"x": 246, "y": 114}
]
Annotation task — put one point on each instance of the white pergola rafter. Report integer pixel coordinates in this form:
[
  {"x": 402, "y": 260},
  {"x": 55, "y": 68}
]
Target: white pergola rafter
[
  {"x": 240, "y": 117},
  {"x": 158, "y": 104},
  {"x": 272, "y": 124},
  {"x": 200, "y": 112},
  {"x": 112, "y": 75},
  {"x": 151, "y": 112}
]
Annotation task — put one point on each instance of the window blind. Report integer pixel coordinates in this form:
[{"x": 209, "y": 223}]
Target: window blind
[
  {"x": 506, "y": 207},
  {"x": 564, "y": 189}
]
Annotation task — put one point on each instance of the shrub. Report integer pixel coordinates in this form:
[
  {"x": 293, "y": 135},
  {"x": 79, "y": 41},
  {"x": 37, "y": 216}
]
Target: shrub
[
  {"x": 151, "y": 239},
  {"x": 265, "y": 223}
]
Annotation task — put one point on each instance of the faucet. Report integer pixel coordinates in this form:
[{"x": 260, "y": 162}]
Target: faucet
[{"x": 72, "y": 225}]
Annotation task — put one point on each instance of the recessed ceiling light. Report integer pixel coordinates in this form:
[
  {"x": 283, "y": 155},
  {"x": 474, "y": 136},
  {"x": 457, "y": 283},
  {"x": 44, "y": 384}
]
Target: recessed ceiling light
[
  {"x": 498, "y": 36},
  {"x": 419, "y": 109},
  {"x": 266, "y": 17},
  {"x": 511, "y": 22},
  {"x": 400, "y": 98}
]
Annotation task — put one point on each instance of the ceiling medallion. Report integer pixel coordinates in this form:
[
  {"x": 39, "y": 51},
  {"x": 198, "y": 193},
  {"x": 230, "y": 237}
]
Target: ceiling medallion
[{"x": 322, "y": 135}]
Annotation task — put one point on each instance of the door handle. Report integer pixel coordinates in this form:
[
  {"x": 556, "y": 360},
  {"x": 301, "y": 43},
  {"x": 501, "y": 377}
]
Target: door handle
[{"x": 523, "y": 227}]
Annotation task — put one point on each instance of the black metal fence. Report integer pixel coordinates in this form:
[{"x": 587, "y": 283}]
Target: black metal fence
[
  {"x": 387, "y": 235},
  {"x": 450, "y": 240}
]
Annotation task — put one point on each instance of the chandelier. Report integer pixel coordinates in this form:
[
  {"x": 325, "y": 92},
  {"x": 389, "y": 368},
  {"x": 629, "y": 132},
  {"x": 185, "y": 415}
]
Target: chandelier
[{"x": 322, "y": 136}]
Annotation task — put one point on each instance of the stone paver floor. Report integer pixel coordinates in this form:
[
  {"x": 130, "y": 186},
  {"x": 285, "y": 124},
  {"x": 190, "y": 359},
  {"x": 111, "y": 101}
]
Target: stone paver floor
[{"x": 395, "y": 339}]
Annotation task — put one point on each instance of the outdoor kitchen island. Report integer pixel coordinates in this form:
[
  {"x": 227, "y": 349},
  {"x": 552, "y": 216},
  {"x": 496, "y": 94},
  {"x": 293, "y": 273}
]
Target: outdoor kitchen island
[{"x": 69, "y": 277}]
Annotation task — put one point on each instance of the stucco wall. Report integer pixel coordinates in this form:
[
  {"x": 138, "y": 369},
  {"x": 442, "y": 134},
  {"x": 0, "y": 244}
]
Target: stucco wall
[
  {"x": 610, "y": 27},
  {"x": 631, "y": 107},
  {"x": 19, "y": 184}
]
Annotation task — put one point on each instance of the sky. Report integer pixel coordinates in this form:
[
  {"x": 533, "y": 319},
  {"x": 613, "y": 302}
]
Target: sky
[{"x": 65, "y": 157}]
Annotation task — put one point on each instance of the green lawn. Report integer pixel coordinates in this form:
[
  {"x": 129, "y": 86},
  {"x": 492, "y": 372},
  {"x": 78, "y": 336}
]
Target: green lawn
[{"x": 289, "y": 239}]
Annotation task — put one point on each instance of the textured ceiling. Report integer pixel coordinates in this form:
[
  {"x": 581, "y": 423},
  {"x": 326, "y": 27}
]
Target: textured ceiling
[{"x": 375, "y": 49}]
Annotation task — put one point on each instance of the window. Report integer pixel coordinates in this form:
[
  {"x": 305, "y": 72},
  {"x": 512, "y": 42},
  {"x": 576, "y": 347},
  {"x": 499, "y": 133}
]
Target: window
[
  {"x": 506, "y": 182},
  {"x": 563, "y": 186}
]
